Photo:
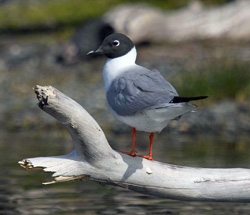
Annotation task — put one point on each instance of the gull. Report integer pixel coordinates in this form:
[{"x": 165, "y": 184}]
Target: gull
[{"x": 139, "y": 97}]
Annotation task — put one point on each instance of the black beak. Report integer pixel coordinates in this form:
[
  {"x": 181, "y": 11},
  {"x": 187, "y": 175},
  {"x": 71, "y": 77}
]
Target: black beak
[{"x": 96, "y": 52}]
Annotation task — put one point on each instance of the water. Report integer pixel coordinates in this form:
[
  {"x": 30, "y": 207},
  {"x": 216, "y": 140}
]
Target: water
[{"x": 21, "y": 191}]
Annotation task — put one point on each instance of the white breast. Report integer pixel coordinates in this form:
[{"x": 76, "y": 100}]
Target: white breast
[{"x": 116, "y": 66}]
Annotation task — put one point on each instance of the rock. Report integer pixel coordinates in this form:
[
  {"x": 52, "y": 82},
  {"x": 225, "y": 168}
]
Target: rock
[{"x": 86, "y": 38}]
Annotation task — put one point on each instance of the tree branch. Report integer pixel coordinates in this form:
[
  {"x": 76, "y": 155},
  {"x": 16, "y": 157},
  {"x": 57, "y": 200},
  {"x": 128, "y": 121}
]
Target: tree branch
[{"x": 95, "y": 159}]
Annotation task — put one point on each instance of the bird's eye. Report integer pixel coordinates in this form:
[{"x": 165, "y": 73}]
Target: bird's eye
[{"x": 116, "y": 43}]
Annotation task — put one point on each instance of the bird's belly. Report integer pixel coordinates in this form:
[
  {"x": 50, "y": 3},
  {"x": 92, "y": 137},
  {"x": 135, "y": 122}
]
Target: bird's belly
[
  {"x": 154, "y": 119},
  {"x": 141, "y": 122}
]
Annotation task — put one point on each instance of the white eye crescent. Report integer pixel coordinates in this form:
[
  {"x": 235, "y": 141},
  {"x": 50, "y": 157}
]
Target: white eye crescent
[{"x": 116, "y": 43}]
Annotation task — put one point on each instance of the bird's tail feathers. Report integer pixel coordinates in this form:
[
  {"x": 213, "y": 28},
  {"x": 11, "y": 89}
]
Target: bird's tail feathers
[{"x": 178, "y": 99}]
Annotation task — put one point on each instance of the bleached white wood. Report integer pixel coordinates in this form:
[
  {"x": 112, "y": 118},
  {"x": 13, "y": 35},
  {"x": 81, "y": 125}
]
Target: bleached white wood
[
  {"x": 94, "y": 159},
  {"x": 143, "y": 23}
]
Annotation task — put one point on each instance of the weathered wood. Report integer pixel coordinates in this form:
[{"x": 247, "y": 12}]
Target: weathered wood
[
  {"x": 143, "y": 23},
  {"x": 93, "y": 158}
]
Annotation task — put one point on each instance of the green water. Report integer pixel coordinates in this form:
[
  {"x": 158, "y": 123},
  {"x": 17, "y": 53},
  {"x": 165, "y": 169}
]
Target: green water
[{"x": 21, "y": 191}]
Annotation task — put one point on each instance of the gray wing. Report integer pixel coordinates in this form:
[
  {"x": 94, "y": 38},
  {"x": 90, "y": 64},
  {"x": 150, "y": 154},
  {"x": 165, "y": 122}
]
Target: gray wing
[{"x": 138, "y": 89}]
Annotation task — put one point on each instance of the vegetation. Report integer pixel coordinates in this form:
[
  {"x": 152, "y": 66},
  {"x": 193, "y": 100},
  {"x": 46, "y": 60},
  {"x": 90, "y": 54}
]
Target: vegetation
[
  {"x": 221, "y": 79},
  {"x": 28, "y": 14}
]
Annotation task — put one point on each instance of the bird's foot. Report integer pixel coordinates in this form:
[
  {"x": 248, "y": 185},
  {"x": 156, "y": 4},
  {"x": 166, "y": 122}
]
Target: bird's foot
[
  {"x": 148, "y": 157},
  {"x": 132, "y": 153}
]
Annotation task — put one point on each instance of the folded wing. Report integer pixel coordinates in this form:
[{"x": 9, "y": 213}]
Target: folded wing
[{"x": 137, "y": 89}]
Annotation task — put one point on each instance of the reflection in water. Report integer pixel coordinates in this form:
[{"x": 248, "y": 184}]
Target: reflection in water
[
  {"x": 7, "y": 204},
  {"x": 21, "y": 191}
]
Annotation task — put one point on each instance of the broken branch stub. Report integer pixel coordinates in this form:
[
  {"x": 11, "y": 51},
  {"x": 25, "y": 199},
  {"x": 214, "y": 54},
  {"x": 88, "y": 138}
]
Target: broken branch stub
[{"x": 93, "y": 158}]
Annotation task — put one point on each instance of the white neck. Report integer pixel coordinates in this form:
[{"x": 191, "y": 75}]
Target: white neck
[{"x": 115, "y": 66}]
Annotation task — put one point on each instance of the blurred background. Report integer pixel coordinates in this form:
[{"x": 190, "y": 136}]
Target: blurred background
[{"x": 201, "y": 47}]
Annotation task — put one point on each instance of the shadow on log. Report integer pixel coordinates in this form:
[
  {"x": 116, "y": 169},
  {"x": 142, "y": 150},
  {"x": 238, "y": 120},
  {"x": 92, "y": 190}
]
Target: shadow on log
[{"x": 93, "y": 158}]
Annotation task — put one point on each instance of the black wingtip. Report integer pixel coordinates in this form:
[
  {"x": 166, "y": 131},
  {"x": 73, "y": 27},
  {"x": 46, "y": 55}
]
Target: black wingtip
[{"x": 178, "y": 99}]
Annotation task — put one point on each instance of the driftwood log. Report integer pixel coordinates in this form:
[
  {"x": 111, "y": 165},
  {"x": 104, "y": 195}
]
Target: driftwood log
[
  {"x": 142, "y": 23},
  {"x": 94, "y": 159}
]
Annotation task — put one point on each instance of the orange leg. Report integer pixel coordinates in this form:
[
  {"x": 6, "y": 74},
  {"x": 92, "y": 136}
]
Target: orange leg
[
  {"x": 133, "y": 152},
  {"x": 149, "y": 156}
]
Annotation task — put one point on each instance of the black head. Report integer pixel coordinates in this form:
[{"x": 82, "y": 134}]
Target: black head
[{"x": 115, "y": 45}]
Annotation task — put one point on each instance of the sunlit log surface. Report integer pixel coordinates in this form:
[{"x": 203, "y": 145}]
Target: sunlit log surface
[
  {"x": 142, "y": 23},
  {"x": 94, "y": 159}
]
